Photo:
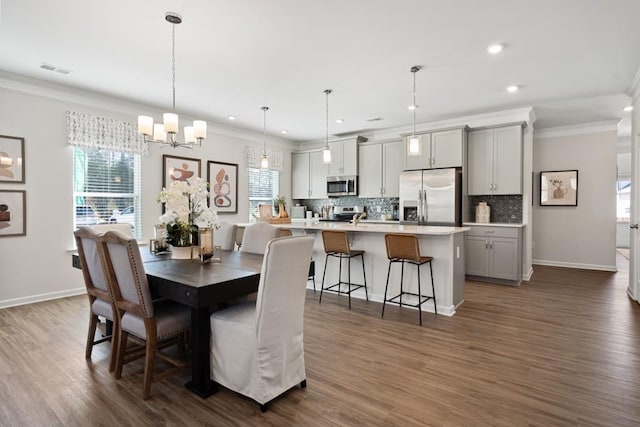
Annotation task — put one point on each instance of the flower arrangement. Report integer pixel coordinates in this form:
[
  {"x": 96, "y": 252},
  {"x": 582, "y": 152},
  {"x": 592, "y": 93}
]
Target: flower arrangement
[{"x": 185, "y": 210}]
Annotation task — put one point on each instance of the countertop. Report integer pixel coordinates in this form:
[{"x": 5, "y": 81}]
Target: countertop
[
  {"x": 493, "y": 224},
  {"x": 391, "y": 227}
]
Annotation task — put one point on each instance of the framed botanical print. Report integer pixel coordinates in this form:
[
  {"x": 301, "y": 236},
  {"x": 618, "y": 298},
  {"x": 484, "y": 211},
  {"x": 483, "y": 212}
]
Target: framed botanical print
[
  {"x": 223, "y": 179},
  {"x": 11, "y": 159},
  {"x": 559, "y": 188},
  {"x": 176, "y": 168},
  {"x": 13, "y": 213}
]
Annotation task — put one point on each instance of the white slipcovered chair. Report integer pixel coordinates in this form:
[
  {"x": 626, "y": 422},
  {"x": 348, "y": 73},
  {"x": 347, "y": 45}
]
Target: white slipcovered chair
[
  {"x": 256, "y": 236},
  {"x": 225, "y": 236},
  {"x": 100, "y": 299},
  {"x": 155, "y": 325},
  {"x": 122, "y": 227},
  {"x": 257, "y": 347}
]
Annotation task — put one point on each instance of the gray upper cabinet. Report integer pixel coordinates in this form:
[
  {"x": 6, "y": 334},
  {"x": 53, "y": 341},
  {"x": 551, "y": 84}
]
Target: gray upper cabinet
[
  {"x": 344, "y": 156},
  {"x": 308, "y": 176},
  {"x": 439, "y": 149},
  {"x": 380, "y": 166},
  {"x": 494, "y": 161}
]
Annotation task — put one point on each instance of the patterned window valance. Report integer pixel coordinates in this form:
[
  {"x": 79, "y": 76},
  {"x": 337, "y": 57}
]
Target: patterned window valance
[
  {"x": 254, "y": 155},
  {"x": 85, "y": 130}
]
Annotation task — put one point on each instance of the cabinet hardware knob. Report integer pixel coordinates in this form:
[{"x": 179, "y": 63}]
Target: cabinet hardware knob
[{"x": 634, "y": 226}]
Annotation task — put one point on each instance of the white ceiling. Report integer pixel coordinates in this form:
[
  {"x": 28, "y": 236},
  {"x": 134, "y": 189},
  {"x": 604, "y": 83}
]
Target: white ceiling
[{"x": 574, "y": 59}]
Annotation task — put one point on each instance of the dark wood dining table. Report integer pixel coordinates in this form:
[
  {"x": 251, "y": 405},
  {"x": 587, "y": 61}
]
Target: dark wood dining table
[{"x": 201, "y": 287}]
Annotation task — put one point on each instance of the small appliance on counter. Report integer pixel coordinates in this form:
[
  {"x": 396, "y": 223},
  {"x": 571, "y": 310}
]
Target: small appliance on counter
[
  {"x": 344, "y": 213},
  {"x": 395, "y": 212},
  {"x": 483, "y": 213},
  {"x": 298, "y": 212}
]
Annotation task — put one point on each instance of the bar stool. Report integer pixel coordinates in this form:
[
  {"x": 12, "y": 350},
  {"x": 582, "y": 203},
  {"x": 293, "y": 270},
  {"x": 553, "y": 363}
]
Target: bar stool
[
  {"x": 336, "y": 245},
  {"x": 404, "y": 248}
]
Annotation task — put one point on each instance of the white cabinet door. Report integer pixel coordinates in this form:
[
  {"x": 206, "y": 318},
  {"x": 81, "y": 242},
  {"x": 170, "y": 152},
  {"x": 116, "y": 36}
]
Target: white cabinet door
[
  {"x": 446, "y": 149},
  {"x": 350, "y": 157},
  {"x": 370, "y": 176},
  {"x": 335, "y": 167},
  {"x": 317, "y": 176},
  {"x": 300, "y": 173},
  {"x": 507, "y": 161},
  {"x": 420, "y": 161},
  {"x": 504, "y": 258},
  {"x": 480, "y": 162},
  {"x": 392, "y": 153}
]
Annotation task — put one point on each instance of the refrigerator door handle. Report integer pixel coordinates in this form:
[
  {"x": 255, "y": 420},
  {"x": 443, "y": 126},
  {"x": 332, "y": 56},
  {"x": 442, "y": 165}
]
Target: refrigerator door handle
[{"x": 425, "y": 207}]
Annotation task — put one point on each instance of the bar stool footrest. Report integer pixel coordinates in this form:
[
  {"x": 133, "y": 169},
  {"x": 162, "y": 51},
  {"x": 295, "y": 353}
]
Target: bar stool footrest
[
  {"x": 421, "y": 299},
  {"x": 352, "y": 287}
]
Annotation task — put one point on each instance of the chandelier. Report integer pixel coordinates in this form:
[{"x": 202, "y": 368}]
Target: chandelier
[
  {"x": 167, "y": 133},
  {"x": 414, "y": 141}
]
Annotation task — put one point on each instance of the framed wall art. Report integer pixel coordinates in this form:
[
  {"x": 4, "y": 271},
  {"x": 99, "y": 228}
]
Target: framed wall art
[
  {"x": 176, "y": 168},
  {"x": 11, "y": 159},
  {"x": 223, "y": 179},
  {"x": 13, "y": 213},
  {"x": 559, "y": 188}
]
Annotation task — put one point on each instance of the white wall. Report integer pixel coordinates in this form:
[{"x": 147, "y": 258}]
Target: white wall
[
  {"x": 582, "y": 236},
  {"x": 38, "y": 266}
]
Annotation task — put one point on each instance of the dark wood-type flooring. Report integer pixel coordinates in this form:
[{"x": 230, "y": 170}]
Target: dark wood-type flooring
[{"x": 562, "y": 349}]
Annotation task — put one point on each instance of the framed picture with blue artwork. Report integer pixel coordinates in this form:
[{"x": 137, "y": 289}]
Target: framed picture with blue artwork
[{"x": 223, "y": 179}]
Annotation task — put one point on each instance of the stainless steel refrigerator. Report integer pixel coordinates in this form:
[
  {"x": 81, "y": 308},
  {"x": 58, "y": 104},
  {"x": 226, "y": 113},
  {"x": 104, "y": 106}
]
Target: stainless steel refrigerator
[{"x": 431, "y": 197}]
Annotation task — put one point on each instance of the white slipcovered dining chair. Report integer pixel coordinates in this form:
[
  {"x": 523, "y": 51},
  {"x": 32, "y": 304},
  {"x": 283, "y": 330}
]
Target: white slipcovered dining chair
[
  {"x": 155, "y": 325},
  {"x": 100, "y": 299},
  {"x": 257, "y": 347},
  {"x": 256, "y": 236},
  {"x": 225, "y": 236}
]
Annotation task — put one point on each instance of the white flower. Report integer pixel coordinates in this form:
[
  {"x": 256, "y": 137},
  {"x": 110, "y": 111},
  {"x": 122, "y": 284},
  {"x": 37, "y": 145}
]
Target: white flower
[{"x": 187, "y": 204}]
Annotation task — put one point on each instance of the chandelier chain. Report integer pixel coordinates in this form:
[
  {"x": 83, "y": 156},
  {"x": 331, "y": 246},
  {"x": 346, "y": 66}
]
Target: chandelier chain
[{"x": 173, "y": 64}]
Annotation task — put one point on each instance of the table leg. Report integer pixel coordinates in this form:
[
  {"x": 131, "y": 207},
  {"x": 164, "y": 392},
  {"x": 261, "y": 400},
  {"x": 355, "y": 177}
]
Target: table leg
[{"x": 200, "y": 383}]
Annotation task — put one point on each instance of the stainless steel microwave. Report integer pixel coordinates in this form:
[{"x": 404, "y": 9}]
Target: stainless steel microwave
[{"x": 342, "y": 186}]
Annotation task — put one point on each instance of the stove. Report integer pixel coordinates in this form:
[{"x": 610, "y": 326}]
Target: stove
[{"x": 345, "y": 213}]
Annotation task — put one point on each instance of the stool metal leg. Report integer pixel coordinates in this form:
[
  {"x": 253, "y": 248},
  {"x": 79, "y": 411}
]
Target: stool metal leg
[
  {"x": 340, "y": 275},
  {"x": 433, "y": 289},
  {"x": 349, "y": 280},
  {"x": 401, "y": 280},
  {"x": 419, "y": 295},
  {"x": 384, "y": 301},
  {"x": 324, "y": 273},
  {"x": 364, "y": 278}
]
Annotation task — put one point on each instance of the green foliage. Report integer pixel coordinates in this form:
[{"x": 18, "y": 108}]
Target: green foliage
[{"x": 279, "y": 200}]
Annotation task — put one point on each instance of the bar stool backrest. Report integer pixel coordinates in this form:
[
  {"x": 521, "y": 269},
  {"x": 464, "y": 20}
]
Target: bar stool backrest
[
  {"x": 335, "y": 241},
  {"x": 284, "y": 232},
  {"x": 402, "y": 246}
]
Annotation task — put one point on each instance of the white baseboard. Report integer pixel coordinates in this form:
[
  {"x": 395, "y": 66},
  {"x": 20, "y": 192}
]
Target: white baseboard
[
  {"x": 611, "y": 268},
  {"x": 41, "y": 297},
  {"x": 527, "y": 276}
]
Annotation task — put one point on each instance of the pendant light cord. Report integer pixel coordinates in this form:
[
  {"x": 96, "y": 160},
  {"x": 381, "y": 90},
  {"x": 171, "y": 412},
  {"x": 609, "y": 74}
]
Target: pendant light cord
[
  {"x": 264, "y": 130},
  {"x": 414, "y": 100},
  {"x": 326, "y": 141},
  {"x": 173, "y": 64}
]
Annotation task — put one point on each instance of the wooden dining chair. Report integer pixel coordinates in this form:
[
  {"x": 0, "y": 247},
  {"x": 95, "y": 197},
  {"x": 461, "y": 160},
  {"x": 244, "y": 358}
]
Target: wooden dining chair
[
  {"x": 100, "y": 298},
  {"x": 153, "y": 326},
  {"x": 257, "y": 346}
]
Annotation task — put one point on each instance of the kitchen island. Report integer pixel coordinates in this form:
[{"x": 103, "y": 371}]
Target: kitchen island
[{"x": 444, "y": 244}]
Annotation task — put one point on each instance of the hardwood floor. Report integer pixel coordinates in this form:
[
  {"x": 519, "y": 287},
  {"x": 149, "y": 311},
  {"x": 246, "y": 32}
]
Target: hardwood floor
[{"x": 562, "y": 349}]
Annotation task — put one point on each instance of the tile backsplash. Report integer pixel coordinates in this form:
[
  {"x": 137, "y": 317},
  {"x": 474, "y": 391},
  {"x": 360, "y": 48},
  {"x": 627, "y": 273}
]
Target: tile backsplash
[
  {"x": 504, "y": 209},
  {"x": 372, "y": 204}
]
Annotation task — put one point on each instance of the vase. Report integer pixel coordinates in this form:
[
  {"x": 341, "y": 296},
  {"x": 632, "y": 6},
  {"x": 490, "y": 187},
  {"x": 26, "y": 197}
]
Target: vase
[{"x": 181, "y": 252}]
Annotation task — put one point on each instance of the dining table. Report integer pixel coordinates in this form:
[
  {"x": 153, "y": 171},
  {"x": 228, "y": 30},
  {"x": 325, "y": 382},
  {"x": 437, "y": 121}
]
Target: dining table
[{"x": 202, "y": 287}]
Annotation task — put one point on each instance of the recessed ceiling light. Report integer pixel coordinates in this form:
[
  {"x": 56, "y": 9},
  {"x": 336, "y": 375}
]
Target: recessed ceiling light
[
  {"x": 628, "y": 108},
  {"x": 413, "y": 107},
  {"x": 231, "y": 117},
  {"x": 340, "y": 121},
  {"x": 284, "y": 131},
  {"x": 512, "y": 88},
  {"x": 495, "y": 48}
]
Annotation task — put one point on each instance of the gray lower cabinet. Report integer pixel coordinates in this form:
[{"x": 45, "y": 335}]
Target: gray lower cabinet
[{"x": 494, "y": 253}]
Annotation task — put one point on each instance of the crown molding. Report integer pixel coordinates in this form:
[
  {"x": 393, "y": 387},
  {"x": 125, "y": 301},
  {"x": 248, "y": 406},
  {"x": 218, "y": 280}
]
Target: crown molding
[
  {"x": 26, "y": 85},
  {"x": 580, "y": 129}
]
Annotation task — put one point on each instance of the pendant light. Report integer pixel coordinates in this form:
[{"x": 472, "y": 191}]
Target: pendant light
[
  {"x": 414, "y": 148},
  {"x": 264, "y": 161},
  {"x": 166, "y": 133},
  {"x": 326, "y": 151}
]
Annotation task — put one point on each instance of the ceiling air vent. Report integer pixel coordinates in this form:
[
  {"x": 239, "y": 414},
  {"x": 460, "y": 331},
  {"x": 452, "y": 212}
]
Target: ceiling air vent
[
  {"x": 55, "y": 69},
  {"x": 375, "y": 119}
]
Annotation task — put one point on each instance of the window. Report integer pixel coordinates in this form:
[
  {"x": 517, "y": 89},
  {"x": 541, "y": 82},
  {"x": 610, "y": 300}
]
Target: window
[
  {"x": 623, "y": 196},
  {"x": 106, "y": 188},
  {"x": 264, "y": 186}
]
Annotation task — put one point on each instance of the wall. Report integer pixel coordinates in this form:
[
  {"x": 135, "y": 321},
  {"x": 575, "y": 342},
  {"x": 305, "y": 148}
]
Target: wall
[
  {"x": 581, "y": 236},
  {"x": 38, "y": 266}
]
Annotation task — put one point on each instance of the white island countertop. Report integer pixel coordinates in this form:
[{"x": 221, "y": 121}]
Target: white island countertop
[{"x": 424, "y": 230}]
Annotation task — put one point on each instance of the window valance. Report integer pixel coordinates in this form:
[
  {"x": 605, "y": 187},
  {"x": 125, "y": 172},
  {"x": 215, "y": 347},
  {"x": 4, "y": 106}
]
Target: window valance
[
  {"x": 86, "y": 130},
  {"x": 254, "y": 155}
]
